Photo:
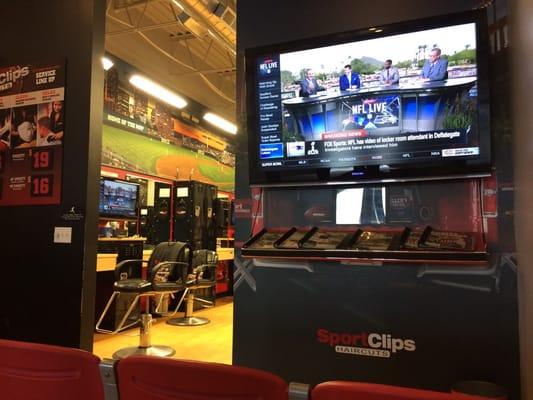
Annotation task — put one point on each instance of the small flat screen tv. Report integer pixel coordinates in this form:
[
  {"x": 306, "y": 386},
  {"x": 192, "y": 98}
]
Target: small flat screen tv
[
  {"x": 118, "y": 199},
  {"x": 398, "y": 102}
]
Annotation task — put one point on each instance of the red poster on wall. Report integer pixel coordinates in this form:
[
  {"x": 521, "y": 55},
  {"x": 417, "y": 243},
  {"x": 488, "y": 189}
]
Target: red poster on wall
[{"x": 32, "y": 131}]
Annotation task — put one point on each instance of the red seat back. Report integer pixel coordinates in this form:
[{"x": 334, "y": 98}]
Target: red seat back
[
  {"x": 151, "y": 378},
  {"x": 338, "y": 390},
  {"x": 30, "y": 371}
]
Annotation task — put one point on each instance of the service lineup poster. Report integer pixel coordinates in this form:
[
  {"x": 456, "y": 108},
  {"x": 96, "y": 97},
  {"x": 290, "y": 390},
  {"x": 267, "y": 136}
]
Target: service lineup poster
[{"x": 32, "y": 129}]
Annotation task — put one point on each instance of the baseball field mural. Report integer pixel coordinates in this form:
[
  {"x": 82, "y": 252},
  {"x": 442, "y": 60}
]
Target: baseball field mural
[
  {"x": 143, "y": 135},
  {"x": 150, "y": 155}
]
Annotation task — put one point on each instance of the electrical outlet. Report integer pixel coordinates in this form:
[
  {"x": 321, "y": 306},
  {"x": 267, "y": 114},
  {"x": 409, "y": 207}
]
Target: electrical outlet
[{"x": 62, "y": 234}]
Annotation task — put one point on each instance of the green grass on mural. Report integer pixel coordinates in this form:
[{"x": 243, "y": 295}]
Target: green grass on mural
[
  {"x": 143, "y": 152},
  {"x": 137, "y": 150},
  {"x": 221, "y": 173}
]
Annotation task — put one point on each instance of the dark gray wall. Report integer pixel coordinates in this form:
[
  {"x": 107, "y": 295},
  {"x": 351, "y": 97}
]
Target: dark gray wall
[
  {"x": 47, "y": 290},
  {"x": 521, "y": 45},
  {"x": 262, "y": 23}
]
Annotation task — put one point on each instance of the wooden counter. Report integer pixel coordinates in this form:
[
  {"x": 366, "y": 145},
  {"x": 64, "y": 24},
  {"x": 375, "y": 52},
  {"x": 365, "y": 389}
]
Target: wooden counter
[
  {"x": 106, "y": 261},
  {"x": 124, "y": 239},
  {"x": 225, "y": 250},
  {"x": 147, "y": 254},
  {"x": 225, "y": 253}
]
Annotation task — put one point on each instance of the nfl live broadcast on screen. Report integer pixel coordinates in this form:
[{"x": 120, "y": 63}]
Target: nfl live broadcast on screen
[{"x": 396, "y": 99}]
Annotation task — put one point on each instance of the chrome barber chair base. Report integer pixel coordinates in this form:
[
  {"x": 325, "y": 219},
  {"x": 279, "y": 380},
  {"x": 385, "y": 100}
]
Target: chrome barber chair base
[
  {"x": 157, "y": 351},
  {"x": 188, "y": 321}
]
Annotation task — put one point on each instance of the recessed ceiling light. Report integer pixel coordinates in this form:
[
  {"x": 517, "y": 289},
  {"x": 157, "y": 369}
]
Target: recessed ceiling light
[{"x": 107, "y": 63}]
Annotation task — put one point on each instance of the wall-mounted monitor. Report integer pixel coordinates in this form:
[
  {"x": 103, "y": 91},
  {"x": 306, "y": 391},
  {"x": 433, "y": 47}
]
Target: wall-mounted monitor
[
  {"x": 118, "y": 199},
  {"x": 402, "y": 101}
]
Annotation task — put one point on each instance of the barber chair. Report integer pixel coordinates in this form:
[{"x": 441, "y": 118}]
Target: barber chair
[
  {"x": 166, "y": 274},
  {"x": 202, "y": 275}
]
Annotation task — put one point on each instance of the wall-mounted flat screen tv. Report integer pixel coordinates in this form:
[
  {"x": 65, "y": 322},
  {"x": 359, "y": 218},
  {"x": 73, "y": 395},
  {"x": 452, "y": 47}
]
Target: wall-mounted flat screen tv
[
  {"x": 402, "y": 101},
  {"x": 118, "y": 199}
]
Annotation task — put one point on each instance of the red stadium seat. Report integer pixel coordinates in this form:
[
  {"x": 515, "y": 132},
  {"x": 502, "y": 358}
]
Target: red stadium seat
[
  {"x": 338, "y": 390},
  {"x": 31, "y": 371},
  {"x": 155, "y": 378}
]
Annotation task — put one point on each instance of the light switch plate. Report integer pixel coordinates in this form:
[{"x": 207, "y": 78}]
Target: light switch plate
[{"x": 62, "y": 234}]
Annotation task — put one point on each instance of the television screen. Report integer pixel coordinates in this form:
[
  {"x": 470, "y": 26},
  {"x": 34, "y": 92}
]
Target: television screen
[
  {"x": 399, "y": 101},
  {"x": 118, "y": 198}
]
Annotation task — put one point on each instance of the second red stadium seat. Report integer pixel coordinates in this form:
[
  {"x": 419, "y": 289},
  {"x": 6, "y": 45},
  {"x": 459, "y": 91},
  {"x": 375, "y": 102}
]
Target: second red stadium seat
[{"x": 153, "y": 378}]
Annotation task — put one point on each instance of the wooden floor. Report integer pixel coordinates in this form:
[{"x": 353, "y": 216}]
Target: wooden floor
[{"x": 211, "y": 342}]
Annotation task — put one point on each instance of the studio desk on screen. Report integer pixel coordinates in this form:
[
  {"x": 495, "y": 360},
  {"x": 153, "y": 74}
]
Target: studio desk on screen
[{"x": 416, "y": 102}]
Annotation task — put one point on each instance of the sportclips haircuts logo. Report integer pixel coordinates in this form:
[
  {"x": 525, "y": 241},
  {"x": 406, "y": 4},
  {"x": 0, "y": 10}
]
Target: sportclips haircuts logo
[
  {"x": 365, "y": 344},
  {"x": 13, "y": 74}
]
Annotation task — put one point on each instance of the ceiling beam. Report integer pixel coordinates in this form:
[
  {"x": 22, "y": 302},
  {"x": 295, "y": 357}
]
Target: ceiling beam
[
  {"x": 222, "y": 71},
  {"x": 201, "y": 20},
  {"x": 145, "y": 28},
  {"x": 182, "y": 36},
  {"x": 122, "y": 4}
]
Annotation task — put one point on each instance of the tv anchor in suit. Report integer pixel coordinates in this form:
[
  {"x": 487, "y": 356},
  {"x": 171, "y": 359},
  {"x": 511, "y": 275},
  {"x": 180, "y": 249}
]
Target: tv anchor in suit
[
  {"x": 349, "y": 79},
  {"x": 309, "y": 85},
  {"x": 389, "y": 75},
  {"x": 435, "y": 68}
]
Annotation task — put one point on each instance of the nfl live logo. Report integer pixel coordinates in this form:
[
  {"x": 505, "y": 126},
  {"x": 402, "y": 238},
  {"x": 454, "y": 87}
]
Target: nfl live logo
[{"x": 295, "y": 149}]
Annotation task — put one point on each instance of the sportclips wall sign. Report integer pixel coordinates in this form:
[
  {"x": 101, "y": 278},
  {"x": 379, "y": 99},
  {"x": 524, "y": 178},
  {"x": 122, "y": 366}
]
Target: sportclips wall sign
[
  {"x": 366, "y": 344},
  {"x": 32, "y": 131}
]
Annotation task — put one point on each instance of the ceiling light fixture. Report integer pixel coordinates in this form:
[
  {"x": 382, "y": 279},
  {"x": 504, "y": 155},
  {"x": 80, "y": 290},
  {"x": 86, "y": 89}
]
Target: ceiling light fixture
[
  {"x": 178, "y": 4},
  {"x": 107, "y": 63},
  {"x": 220, "y": 123},
  {"x": 155, "y": 90}
]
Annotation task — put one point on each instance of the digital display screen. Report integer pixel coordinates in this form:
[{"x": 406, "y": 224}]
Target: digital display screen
[
  {"x": 405, "y": 99},
  {"x": 118, "y": 198}
]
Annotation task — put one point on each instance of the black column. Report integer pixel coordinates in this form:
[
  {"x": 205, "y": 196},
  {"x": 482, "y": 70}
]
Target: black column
[
  {"x": 521, "y": 45},
  {"x": 46, "y": 289}
]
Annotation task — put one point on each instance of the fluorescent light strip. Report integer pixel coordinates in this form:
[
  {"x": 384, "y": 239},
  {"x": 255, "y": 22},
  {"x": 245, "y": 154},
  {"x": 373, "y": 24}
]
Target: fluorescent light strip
[
  {"x": 220, "y": 123},
  {"x": 153, "y": 89},
  {"x": 107, "y": 63},
  {"x": 178, "y": 4}
]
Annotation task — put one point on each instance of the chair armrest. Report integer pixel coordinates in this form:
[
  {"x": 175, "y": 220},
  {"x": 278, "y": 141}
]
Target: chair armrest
[
  {"x": 132, "y": 269},
  {"x": 169, "y": 272},
  {"x": 205, "y": 272}
]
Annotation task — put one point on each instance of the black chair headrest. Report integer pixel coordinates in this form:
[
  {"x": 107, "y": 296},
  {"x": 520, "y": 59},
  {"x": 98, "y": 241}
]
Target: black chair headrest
[{"x": 169, "y": 251}]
